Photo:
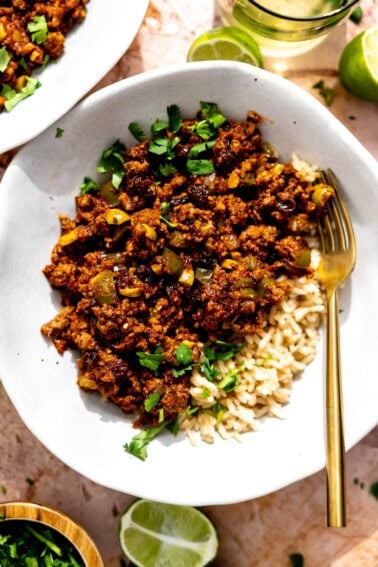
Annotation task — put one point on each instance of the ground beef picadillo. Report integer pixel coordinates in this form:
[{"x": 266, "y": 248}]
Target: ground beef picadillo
[
  {"x": 24, "y": 52},
  {"x": 178, "y": 259}
]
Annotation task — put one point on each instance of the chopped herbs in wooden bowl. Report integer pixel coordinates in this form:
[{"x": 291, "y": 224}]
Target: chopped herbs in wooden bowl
[{"x": 33, "y": 535}]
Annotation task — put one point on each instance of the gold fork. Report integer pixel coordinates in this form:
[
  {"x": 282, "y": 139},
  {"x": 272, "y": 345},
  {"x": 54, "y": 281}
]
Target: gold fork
[{"x": 336, "y": 263}]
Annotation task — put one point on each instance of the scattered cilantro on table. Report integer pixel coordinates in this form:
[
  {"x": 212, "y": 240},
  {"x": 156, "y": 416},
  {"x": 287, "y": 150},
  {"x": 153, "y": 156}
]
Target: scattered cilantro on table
[{"x": 325, "y": 92}]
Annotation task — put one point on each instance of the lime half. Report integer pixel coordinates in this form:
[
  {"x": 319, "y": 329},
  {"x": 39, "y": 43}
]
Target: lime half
[
  {"x": 153, "y": 534},
  {"x": 226, "y": 42},
  {"x": 358, "y": 66}
]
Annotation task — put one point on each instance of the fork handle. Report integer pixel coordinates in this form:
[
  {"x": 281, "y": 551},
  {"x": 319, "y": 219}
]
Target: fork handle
[{"x": 336, "y": 500}]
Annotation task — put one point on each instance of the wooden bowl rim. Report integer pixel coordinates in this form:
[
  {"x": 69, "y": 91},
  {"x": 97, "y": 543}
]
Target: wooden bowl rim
[{"x": 57, "y": 520}]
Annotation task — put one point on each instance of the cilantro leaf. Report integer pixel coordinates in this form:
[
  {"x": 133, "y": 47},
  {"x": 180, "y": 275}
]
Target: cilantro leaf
[
  {"x": 230, "y": 380},
  {"x": 112, "y": 160},
  {"x": 205, "y": 392},
  {"x": 210, "y": 111},
  {"x": 217, "y": 410},
  {"x": 59, "y": 132},
  {"x": 325, "y": 92},
  {"x": 199, "y": 166},
  {"x": 184, "y": 359},
  {"x": 38, "y": 29},
  {"x": 137, "y": 131},
  {"x": 138, "y": 444},
  {"x": 356, "y": 15},
  {"x": 164, "y": 209},
  {"x": 159, "y": 146},
  {"x": 296, "y": 559},
  {"x": 12, "y": 97},
  {"x": 173, "y": 426},
  {"x": 158, "y": 126},
  {"x": 174, "y": 117},
  {"x": 208, "y": 369},
  {"x": 151, "y": 401},
  {"x": 165, "y": 169},
  {"x": 221, "y": 350},
  {"x": 88, "y": 186},
  {"x": 151, "y": 361},
  {"x": 218, "y": 350},
  {"x": 4, "y": 58},
  {"x": 200, "y": 148},
  {"x": 183, "y": 354}
]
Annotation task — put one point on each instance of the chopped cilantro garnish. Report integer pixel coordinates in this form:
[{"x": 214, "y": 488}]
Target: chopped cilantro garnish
[
  {"x": 200, "y": 148},
  {"x": 183, "y": 354},
  {"x": 23, "y": 63},
  {"x": 356, "y": 15},
  {"x": 230, "y": 380},
  {"x": 191, "y": 410},
  {"x": 217, "y": 410},
  {"x": 151, "y": 401},
  {"x": 221, "y": 350},
  {"x": 296, "y": 559},
  {"x": 4, "y": 58},
  {"x": 373, "y": 490},
  {"x": 164, "y": 146},
  {"x": 112, "y": 160},
  {"x": 173, "y": 426},
  {"x": 59, "y": 132},
  {"x": 38, "y": 29},
  {"x": 164, "y": 208},
  {"x": 166, "y": 169},
  {"x": 199, "y": 166},
  {"x": 165, "y": 214},
  {"x": 89, "y": 186},
  {"x": 184, "y": 358},
  {"x": 138, "y": 444},
  {"x": 13, "y": 97},
  {"x": 137, "y": 131},
  {"x": 174, "y": 117},
  {"x": 211, "y": 112},
  {"x": 209, "y": 370},
  {"x": 151, "y": 361},
  {"x": 218, "y": 350},
  {"x": 325, "y": 92},
  {"x": 205, "y": 392},
  {"x": 158, "y": 127}
]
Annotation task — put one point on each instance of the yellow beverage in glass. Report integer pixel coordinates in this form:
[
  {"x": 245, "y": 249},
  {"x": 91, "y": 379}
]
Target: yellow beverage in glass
[{"x": 285, "y": 27}]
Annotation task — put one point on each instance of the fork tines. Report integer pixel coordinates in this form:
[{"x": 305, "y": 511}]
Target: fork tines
[{"x": 335, "y": 229}]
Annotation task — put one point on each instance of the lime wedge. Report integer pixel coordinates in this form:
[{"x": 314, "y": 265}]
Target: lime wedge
[
  {"x": 358, "y": 65},
  {"x": 226, "y": 42},
  {"x": 153, "y": 534}
]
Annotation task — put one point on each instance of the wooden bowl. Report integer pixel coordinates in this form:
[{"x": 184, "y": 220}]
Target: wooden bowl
[{"x": 58, "y": 521}]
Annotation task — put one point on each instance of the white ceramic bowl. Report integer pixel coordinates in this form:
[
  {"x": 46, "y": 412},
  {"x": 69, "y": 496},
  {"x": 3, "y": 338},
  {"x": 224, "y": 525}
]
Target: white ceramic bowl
[
  {"x": 91, "y": 50},
  {"x": 88, "y": 434}
]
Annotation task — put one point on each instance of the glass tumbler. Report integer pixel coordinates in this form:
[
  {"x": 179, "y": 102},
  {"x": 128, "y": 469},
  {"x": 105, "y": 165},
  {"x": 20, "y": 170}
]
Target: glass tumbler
[{"x": 285, "y": 27}]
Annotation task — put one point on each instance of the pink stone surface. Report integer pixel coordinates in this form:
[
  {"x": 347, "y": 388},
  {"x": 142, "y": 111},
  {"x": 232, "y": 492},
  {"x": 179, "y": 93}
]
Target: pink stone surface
[{"x": 261, "y": 532}]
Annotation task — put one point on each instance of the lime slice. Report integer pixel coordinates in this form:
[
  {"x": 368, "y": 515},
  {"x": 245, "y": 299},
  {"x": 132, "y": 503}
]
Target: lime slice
[
  {"x": 153, "y": 534},
  {"x": 226, "y": 42},
  {"x": 358, "y": 66}
]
